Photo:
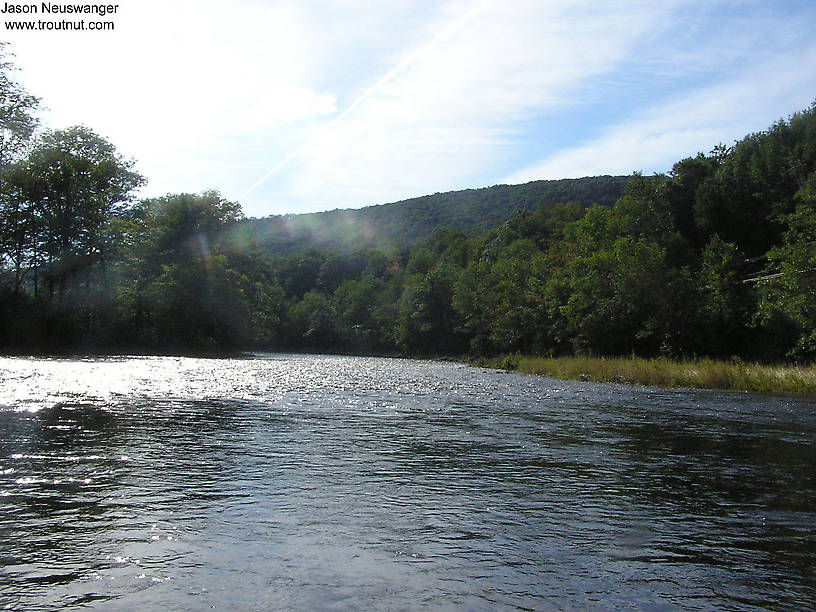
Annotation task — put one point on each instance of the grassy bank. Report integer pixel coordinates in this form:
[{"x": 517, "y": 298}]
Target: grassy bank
[{"x": 698, "y": 374}]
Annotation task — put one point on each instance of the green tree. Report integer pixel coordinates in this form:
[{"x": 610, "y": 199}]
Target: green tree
[
  {"x": 474, "y": 303},
  {"x": 20, "y": 226},
  {"x": 311, "y": 323},
  {"x": 686, "y": 181},
  {"x": 299, "y": 273},
  {"x": 17, "y": 118},
  {"x": 366, "y": 312},
  {"x": 182, "y": 289},
  {"x": 198, "y": 303},
  {"x": 727, "y": 303},
  {"x": 427, "y": 320},
  {"x": 789, "y": 288},
  {"x": 17, "y": 216},
  {"x": 754, "y": 183},
  {"x": 620, "y": 300},
  {"x": 178, "y": 226},
  {"x": 76, "y": 180}
]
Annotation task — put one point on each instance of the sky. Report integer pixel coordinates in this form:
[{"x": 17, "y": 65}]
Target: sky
[{"x": 296, "y": 106}]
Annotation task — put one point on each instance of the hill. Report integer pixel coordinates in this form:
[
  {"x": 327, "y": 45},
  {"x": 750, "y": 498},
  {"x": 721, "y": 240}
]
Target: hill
[{"x": 408, "y": 221}]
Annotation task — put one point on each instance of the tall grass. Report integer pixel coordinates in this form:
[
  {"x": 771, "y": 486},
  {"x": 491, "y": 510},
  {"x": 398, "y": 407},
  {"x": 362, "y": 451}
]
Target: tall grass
[{"x": 661, "y": 372}]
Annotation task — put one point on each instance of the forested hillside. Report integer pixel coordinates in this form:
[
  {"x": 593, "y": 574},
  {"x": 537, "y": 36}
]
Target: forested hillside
[
  {"x": 402, "y": 223},
  {"x": 715, "y": 258}
]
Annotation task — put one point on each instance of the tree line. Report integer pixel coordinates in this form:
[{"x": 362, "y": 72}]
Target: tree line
[
  {"x": 715, "y": 258},
  {"x": 388, "y": 226}
]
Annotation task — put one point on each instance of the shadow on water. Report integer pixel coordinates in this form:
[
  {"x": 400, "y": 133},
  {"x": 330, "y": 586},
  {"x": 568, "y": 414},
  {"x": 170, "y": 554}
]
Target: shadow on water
[
  {"x": 733, "y": 497},
  {"x": 708, "y": 467}
]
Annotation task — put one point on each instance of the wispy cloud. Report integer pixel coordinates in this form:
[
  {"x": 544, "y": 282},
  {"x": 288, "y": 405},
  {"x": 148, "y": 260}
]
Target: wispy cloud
[
  {"x": 313, "y": 105},
  {"x": 695, "y": 122},
  {"x": 403, "y": 65},
  {"x": 455, "y": 111}
]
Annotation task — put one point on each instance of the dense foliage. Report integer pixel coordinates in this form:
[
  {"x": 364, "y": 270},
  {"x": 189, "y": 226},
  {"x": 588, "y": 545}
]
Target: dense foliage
[
  {"x": 716, "y": 258},
  {"x": 389, "y": 226}
]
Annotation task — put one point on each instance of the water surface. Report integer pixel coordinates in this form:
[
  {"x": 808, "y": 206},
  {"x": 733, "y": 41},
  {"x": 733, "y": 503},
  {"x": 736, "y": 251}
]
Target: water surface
[{"x": 311, "y": 482}]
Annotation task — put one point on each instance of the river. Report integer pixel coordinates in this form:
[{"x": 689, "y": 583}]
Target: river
[{"x": 301, "y": 482}]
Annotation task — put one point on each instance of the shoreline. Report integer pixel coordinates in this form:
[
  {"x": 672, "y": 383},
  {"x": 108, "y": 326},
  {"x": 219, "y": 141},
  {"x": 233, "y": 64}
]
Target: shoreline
[
  {"x": 660, "y": 372},
  {"x": 784, "y": 379}
]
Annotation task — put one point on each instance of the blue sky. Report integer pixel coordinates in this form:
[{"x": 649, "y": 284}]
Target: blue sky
[{"x": 307, "y": 105}]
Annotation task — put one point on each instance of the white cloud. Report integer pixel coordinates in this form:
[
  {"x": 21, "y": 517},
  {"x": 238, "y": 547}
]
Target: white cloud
[
  {"x": 450, "y": 113},
  {"x": 698, "y": 121},
  {"x": 180, "y": 85},
  {"x": 208, "y": 94}
]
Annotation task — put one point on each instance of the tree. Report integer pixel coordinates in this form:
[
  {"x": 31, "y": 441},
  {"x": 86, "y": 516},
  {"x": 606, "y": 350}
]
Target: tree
[
  {"x": 17, "y": 124},
  {"x": 20, "y": 225},
  {"x": 76, "y": 180},
  {"x": 311, "y": 322},
  {"x": 682, "y": 191},
  {"x": 17, "y": 108},
  {"x": 789, "y": 288},
  {"x": 620, "y": 299},
  {"x": 427, "y": 320},
  {"x": 754, "y": 183},
  {"x": 299, "y": 273},
  {"x": 178, "y": 226},
  {"x": 366, "y": 312},
  {"x": 726, "y": 302},
  {"x": 183, "y": 290}
]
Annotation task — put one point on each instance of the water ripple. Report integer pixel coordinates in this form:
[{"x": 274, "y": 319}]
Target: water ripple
[{"x": 312, "y": 482}]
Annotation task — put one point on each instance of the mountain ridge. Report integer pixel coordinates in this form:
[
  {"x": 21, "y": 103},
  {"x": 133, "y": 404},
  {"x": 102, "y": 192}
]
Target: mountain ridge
[{"x": 404, "y": 222}]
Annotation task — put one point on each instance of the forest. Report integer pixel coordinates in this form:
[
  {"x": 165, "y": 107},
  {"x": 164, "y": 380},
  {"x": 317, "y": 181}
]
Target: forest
[
  {"x": 716, "y": 258},
  {"x": 387, "y": 226}
]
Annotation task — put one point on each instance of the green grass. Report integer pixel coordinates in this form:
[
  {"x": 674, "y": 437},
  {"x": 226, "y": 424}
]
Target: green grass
[{"x": 661, "y": 372}]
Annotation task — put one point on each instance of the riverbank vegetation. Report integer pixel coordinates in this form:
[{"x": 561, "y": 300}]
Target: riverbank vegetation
[
  {"x": 715, "y": 259},
  {"x": 734, "y": 375}
]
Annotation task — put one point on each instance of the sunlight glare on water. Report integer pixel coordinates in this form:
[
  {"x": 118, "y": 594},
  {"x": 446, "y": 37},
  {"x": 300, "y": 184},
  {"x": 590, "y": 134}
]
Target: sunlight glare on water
[{"x": 319, "y": 482}]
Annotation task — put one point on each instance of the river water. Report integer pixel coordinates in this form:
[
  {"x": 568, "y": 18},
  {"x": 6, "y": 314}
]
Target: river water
[{"x": 316, "y": 482}]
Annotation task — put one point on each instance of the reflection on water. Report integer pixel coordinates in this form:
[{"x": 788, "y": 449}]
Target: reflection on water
[{"x": 297, "y": 482}]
